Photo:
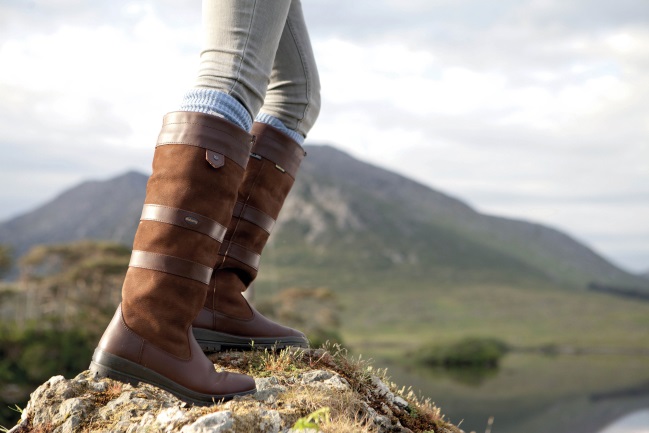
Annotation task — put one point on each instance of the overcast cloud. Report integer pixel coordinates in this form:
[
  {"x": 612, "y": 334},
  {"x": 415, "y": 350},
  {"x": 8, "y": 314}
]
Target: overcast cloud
[{"x": 533, "y": 109}]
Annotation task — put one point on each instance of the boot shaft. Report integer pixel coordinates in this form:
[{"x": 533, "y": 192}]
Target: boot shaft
[
  {"x": 270, "y": 175},
  {"x": 198, "y": 166}
]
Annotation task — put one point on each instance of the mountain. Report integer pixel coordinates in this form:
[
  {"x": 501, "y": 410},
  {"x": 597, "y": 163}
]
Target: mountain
[
  {"x": 375, "y": 219},
  {"x": 345, "y": 214},
  {"x": 93, "y": 210}
]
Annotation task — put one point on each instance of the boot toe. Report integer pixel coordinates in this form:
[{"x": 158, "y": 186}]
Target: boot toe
[
  {"x": 290, "y": 332},
  {"x": 236, "y": 383}
]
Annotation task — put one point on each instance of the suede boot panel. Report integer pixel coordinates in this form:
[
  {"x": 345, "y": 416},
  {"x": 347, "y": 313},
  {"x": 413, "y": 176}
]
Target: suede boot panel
[
  {"x": 264, "y": 188},
  {"x": 160, "y": 307},
  {"x": 227, "y": 289},
  {"x": 182, "y": 178},
  {"x": 270, "y": 189}
]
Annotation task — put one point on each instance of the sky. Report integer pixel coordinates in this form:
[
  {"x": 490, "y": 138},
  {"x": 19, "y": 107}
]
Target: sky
[{"x": 529, "y": 109}]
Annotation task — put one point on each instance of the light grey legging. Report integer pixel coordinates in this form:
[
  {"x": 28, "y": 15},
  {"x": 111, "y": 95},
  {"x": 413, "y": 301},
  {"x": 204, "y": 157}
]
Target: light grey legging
[{"x": 259, "y": 52}]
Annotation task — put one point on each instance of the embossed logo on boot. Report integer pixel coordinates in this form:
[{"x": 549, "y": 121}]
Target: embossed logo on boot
[{"x": 191, "y": 220}]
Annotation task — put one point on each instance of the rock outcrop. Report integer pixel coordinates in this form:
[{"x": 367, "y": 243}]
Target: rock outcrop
[{"x": 314, "y": 390}]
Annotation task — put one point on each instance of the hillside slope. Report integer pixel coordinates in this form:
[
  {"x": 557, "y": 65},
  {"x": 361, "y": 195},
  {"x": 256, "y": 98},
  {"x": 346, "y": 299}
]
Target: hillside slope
[
  {"x": 348, "y": 215},
  {"x": 373, "y": 218}
]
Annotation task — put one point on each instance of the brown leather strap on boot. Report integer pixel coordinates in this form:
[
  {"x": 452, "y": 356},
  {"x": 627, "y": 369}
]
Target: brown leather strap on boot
[
  {"x": 269, "y": 177},
  {"x": 198, "y": 167}
]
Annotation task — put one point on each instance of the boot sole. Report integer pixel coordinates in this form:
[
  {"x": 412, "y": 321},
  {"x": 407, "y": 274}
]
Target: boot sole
[
  {"x": 107, "y": 365},
  {"x": 212, "y": 341}
]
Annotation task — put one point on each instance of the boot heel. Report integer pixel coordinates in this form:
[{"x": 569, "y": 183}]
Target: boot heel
[
  {"x": 207, "y": 347},
  {"x": 101, "y": 372},
  {"x": 106, "y": 365}
]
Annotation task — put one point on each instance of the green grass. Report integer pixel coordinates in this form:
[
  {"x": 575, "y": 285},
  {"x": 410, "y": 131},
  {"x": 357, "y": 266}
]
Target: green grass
[{"x": 389, "y": 317}]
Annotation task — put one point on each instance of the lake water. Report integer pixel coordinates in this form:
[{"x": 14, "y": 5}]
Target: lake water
[
  {"x": 636, "y": 422},
  {"x": 540, "y": 394}
]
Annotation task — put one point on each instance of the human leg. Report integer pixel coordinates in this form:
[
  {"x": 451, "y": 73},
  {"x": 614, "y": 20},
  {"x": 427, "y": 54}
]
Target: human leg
[
  {"x": 236, "y": 62},
  {"x": 197, "y": 170},
  {"x": 293, "y": 95},
  {"x": 227, "y": 320}
]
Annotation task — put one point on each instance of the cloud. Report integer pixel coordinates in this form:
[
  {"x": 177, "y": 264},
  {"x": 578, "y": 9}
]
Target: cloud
[
  {"x": 534, "y": 109},
  {"x": 524, "y": 115}
]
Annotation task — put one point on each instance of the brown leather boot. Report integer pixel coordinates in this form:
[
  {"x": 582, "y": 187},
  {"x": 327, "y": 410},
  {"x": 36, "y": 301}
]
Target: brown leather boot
[
  {"x": 198, "y": 167},
  {"x": 227, "y": 320}
]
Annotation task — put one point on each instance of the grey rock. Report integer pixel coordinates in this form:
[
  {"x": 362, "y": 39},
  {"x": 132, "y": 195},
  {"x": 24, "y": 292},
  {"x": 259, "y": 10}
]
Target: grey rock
[
  {"x": 146, "y": 409},
  {"x": 121, "y": 426},
  {"x": 216, "y": 422},
  {"x": 381, "y": 388},
  {"x": 73, "y": 406},
  {"x": 315, "y": 376},
  {"x": 267, "y": 395},
  {"x": 381, "y": 421},
  {"x": 98, "y": 386},
  {"x": 70, "y": 425},
  {"x": 270, "y": 422},
  {"x": 400, "y": 402},
  {"x": 70, "y": 414},
  {"x": 266, "y": 383},
  {"x": 337, "y": 382},
  {"x": 47, "y": 392},
  {"x": 268, "y": 389},
  {"x": 146, "y": 424},
  {"x": 171, "y": 419}
]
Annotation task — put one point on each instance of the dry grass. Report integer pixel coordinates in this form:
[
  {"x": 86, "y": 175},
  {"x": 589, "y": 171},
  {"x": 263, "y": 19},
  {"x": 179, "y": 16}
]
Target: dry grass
[
  {"x": 346, "y": 408},
  {"x": 296, "y": 399}
]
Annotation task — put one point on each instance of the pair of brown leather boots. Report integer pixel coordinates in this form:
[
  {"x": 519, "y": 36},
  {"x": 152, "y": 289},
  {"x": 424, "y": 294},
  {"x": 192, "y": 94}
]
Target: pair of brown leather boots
[{"x": 211, "y": 203}]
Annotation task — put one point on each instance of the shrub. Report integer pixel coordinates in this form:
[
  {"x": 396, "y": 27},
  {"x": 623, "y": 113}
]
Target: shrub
[{"x": 469, "y": 352}]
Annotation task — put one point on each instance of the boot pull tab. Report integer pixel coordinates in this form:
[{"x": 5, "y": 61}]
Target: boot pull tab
[{"x": 216, "y": 160}]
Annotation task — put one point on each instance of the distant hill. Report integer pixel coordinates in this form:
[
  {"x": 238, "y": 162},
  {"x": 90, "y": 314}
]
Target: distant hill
[
  {"x": 92, "y": 210},
  {"x": 345, "y": 215}
]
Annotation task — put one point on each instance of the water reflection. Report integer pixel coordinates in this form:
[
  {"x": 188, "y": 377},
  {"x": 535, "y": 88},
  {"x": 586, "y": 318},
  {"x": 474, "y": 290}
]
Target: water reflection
[
  {"x": 536, "y": 394},
  {"x": 473, "y": 376},
  {"x": 636, "y": 422}
]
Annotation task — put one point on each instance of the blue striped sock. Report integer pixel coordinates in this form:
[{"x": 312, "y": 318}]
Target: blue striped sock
[
  {"x": 218, "y": 103},
  {"x": 276, "y": 123}
]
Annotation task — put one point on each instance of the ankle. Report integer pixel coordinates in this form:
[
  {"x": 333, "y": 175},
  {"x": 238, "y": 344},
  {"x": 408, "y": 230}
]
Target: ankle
[
  {"x": 278, "y": 124},
  {"x": 217, "y": 103}
]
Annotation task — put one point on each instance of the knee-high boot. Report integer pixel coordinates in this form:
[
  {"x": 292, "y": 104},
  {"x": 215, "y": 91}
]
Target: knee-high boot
[
  {"x": 227, "y": 320},
  {"x": 198, "y": 167}
]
